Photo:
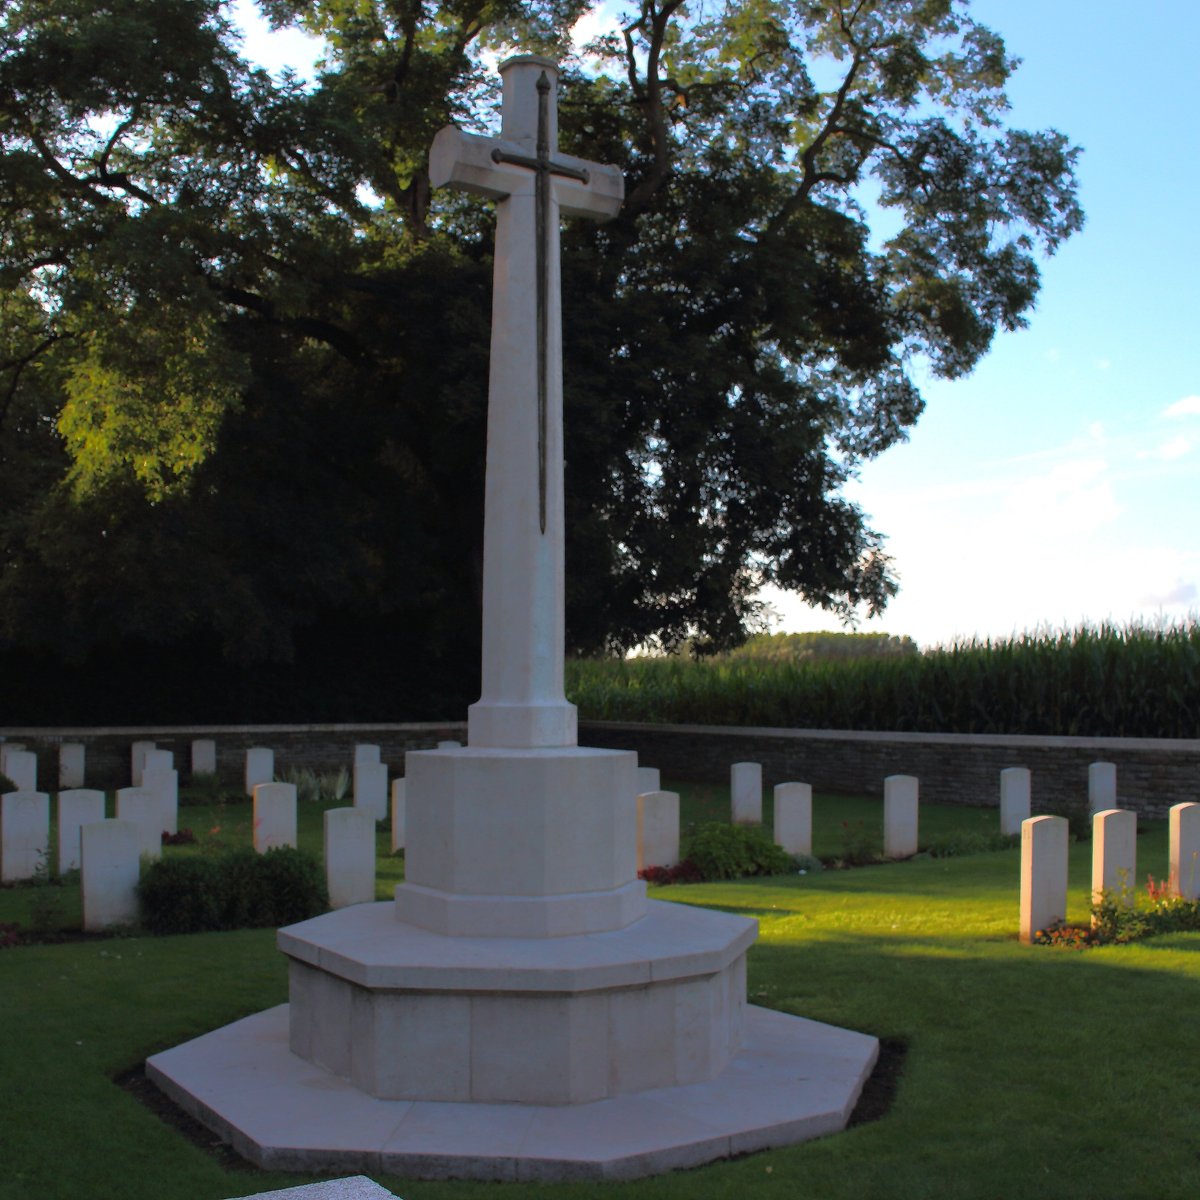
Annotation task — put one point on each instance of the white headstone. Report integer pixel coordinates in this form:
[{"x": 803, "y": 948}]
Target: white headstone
[
  {"x": 137, "y": 760},
  {"x": 274, "y": 816},
  {"x": 745, "y": 793},
  {"x": 1102, "y": 786},
  {"x": 204, "y": 757},
  {"x": 164, "y": 783},
  {"x": 7, "y": 748},
  {"x": 260, "y": 767},
  {"x": 1184, "y": 852},
  {"x": 157, "y": 760},
  {"x": 793, "y": 817},
  {"x": 1114, "y": 854},
  {"x": 21, "y": 768},
  {"x": 143, "y": 809},
  {"x": 365, "y": 752},
  {"x": 1014, "y": 799},
  {"x": 76, "y": 807},
  {"x": 399, "y": 813},
  {"x": 648, "y": 780},
  {"x": 1044, "y": 842},
  {"x": 370, "y": 788},
  {"x": 900, "y": 816},
  {"x": 449, "y": 744},
  {"x": 24, "y": 835},
  {"x": 109, "y": 874},
  {"x": 658, "y": 829},
  {"x": 349, "y": 856},
  {"x": 70, "y": 765}
]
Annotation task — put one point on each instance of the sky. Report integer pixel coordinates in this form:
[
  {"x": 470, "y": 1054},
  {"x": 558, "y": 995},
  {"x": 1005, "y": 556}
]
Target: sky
[{"x": 1059, "y": 483}]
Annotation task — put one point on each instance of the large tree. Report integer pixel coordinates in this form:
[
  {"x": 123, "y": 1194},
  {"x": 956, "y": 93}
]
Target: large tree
[{"x": 244, "y": 349}]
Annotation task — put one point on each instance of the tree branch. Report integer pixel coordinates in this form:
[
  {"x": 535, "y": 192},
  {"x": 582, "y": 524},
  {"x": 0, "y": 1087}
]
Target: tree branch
[{"x": 650, "y": 98}]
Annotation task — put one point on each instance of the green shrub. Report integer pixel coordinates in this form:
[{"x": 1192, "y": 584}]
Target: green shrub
[
  {"x": 291, "y": 887},
  {"x": 182, "y": 895},
  {"x": 731, "y": 851},
  {"x": 236, "y": 890},
  {"x": 964, "y": 842}
]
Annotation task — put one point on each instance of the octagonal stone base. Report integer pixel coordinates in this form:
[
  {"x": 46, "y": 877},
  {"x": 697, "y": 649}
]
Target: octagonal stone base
[
  {"x": 792, "y": 1080},
  {"x": 403, "y": 1013}
]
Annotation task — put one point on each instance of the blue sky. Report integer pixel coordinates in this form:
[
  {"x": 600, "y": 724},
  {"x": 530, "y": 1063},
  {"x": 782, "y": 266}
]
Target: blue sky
[{"x": 1059, "y": 483}]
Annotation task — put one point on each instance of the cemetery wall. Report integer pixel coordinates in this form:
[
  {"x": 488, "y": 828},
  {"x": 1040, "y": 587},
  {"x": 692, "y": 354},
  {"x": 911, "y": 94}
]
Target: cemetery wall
[
  {"x": 1152, "y": 773},
  {"x": 320, "y": 747}
]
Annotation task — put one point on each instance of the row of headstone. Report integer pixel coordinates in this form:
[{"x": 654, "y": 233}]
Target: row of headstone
[
  {"x": 792, "y": 810},
  {"x": 1044, "y": 855},
  {"x": 108, "y": 853},
  {"x": 20, "y": 765}
]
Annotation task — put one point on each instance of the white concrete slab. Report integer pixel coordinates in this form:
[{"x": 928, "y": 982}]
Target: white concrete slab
[
  {"x": 657, "y": 829},
  {"x": 274, "y": 816},
  {"x": 349, "y": 856},
  {"x": 901, "y": 815},
  {"x": 1015, "y": 794},
  {"x": 793, "y": 817},
  {"x": 354, "y": 1187},
  {"x": 76, "y": 807},
  {"x": 21, "y": 767},
  {"x": 24, "y": 835},
  {"x": 792, "y": 1080},
  {"x": 71, "y": 757},
  {"x": 1114, "y": 854},
  {"x": 260, "y": 767},
  {"x": 137, "y": 761},
  {"x": 370, "y": 788},
  {"x": 1044, "y": 843},
  {"x": 164, "y": 783},
  {"x": 204, "y": 757},
  {"x": 109, "y": 874},
  {"x": 399, "y": 814},
  {"x": 144, "y": 809},
  {"x": 1184, "y": 850},
  {"x": 745, "y": 793},
  {"x": 1102, "y": 786}
]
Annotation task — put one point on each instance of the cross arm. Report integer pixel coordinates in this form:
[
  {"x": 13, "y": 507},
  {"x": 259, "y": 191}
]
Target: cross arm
[{"x": 468, "y": 161}]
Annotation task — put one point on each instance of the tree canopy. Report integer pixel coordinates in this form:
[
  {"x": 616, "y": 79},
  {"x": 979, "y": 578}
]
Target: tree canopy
[{"x": 243, "y": 354}]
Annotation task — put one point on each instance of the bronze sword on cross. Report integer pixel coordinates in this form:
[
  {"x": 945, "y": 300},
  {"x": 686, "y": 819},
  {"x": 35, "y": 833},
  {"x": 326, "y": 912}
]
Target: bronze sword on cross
[{"x": 545, "y": 166}]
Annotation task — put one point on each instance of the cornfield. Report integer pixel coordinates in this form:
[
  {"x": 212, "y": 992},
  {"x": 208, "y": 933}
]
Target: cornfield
[{"x": 1105, "y": 681}]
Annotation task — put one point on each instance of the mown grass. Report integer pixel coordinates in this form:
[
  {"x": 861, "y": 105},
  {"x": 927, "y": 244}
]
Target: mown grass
[
  {"x": 1030, "y": 1071},
  {"x": 1136, "y": 681}
]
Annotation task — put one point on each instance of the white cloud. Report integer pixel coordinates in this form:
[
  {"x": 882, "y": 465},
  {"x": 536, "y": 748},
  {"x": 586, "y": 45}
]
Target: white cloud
[
  {"x": 1189, "y": 406},
  {"x": 1074, "y": 496},
  {"x": 1177, "y": 447},
  {"x": 1181, "y": 593},
  {"x": 1104, "y": 364},
  {"x": 593, "y": 24},
  {"x": 1096, "y": 430}
]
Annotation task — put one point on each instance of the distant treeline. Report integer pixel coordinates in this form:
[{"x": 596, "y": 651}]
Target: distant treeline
[
  {"x": 820, "y": 647},
  {"x": 1105, "y": 681}
]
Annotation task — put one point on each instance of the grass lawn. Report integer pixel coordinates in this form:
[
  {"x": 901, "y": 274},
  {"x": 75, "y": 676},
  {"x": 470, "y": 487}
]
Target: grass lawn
[{"x": 1030, "y": 1071}]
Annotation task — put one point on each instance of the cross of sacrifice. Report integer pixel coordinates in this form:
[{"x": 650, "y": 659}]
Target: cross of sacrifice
[{"x": 522, "y": 702}]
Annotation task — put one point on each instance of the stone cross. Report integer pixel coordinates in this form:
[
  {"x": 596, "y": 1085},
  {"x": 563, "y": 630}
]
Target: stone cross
[{"x": 522, "y": 704}]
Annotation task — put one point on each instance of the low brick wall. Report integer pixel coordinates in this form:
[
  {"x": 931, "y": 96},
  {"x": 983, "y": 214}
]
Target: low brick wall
[
  {"x": 321, "y": 747},
  {"x": 1152, "y": 773}
]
